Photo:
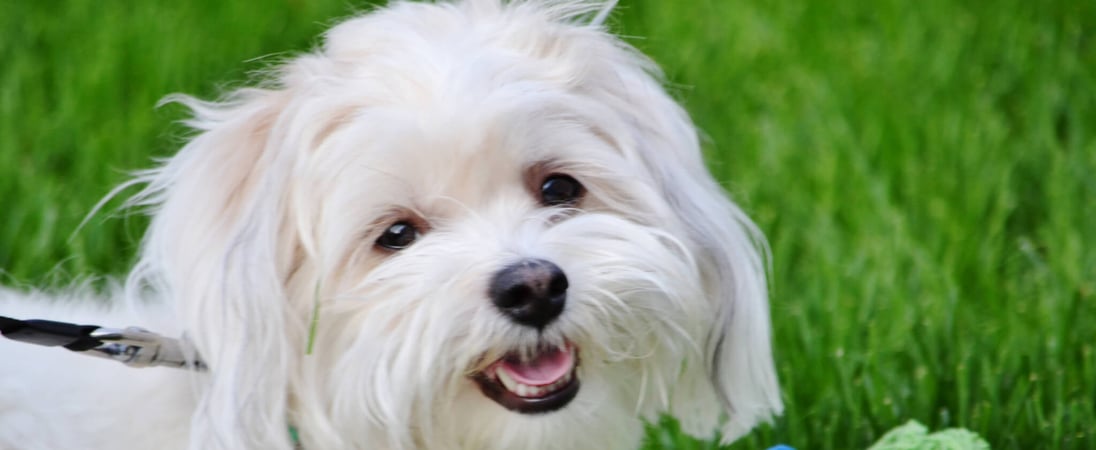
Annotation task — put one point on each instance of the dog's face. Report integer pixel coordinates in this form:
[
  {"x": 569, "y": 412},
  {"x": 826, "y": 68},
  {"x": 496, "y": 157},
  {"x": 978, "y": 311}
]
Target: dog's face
[
  {"x": 462, "y": 226},
  {"x": 502, "y": 260}
]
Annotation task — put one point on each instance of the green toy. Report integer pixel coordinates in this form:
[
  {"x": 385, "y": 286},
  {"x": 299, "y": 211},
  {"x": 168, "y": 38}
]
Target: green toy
[{"x": 914, "y": 436}]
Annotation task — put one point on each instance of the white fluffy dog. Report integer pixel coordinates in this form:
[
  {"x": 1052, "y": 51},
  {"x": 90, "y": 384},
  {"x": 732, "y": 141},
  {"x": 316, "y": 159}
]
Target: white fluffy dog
[{"x": 469, "y": 225}]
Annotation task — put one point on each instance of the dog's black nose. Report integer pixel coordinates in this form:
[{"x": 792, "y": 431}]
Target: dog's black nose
[{"x": 532, "y": 292}]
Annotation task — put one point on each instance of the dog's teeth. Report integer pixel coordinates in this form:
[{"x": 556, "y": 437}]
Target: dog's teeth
[
  {"x": 562, "y": 381},
  {"x": 524, "y": 390},
  {"x": 506, "y": 381}
]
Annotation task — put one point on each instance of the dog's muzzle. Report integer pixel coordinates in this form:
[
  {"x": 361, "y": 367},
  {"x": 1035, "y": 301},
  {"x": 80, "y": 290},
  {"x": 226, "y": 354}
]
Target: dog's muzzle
[{"x": 531, "y": 293}]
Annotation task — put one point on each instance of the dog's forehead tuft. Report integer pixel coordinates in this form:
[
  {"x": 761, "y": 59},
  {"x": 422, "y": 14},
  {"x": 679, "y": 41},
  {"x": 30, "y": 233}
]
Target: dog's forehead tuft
[
  {"x": 416, "y": 51},
  {"x": 457, "y": 101},
  {"x": 523, "y": 26},
  {"x": 469, "y": 79}
]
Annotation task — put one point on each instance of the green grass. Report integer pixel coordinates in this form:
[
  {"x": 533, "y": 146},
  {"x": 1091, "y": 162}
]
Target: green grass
[{"x": 925, "y": 171}]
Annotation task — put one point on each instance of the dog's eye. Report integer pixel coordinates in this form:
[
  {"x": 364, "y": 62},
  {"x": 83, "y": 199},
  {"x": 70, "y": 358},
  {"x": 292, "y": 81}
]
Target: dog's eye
[
  {"x": 560, "y": 190},
  {"x": 398, "y": 236}
]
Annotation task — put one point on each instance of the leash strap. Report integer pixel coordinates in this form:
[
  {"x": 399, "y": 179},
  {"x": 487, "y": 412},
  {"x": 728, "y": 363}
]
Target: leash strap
[
  {"x": 134, "y": 347},
  {"x": 50, "y": 334}
]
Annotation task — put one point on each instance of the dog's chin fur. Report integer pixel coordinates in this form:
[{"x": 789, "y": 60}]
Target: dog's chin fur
[{"x": 448, "y": 117}]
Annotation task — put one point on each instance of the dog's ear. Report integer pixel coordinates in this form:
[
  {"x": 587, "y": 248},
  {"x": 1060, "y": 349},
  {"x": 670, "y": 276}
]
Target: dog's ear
[
  {"x": 219, "y": 246},
  {"x": 736, "y": 365},
  {"x": 732, "y": 385}
]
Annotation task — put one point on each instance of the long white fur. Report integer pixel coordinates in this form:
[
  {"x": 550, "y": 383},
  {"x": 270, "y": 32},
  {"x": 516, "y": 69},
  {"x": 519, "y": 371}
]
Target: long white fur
[{"x": 438, "y": 111}]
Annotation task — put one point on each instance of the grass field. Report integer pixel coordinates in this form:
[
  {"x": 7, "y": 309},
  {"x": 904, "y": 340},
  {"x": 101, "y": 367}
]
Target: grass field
[{"x": 925, "y": 172}]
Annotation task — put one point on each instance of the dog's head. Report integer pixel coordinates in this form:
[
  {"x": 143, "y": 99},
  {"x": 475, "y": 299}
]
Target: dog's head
[{"x": 471, "y": 225}]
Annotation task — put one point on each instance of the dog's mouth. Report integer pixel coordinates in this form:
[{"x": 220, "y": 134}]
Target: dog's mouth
[{"x": 543, "y": 381}]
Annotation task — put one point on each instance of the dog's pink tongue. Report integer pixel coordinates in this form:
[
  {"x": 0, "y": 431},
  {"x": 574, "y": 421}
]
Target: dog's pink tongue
[{"x": 547, "y": 368}]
